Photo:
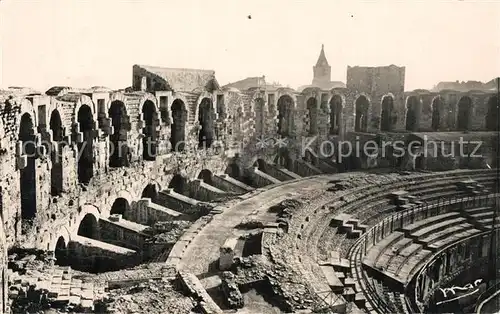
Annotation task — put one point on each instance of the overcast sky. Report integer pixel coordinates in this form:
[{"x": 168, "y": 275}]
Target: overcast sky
[{"x": 95, "y": 42}]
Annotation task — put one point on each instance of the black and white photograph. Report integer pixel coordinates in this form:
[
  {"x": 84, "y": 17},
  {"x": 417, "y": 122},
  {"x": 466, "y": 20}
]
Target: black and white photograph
[{"x": 249, "y": 157}]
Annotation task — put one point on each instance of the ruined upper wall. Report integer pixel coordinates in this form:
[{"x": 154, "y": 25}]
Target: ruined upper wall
[{"x": 383, "y": 80}]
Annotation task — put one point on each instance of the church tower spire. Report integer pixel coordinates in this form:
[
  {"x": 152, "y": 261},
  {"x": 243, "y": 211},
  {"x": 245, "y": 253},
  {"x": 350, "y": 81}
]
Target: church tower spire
[{"x": 322, "y": 70}]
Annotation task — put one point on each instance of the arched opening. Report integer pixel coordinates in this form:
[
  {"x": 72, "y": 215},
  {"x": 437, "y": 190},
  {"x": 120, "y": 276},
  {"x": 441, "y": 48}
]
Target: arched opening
[
  {"x": 260, "y": 164},
  {"x": 206, "y": 121},
  {"x": 361, "y": 122},
  {"x": 85, "y": 148},
  {"x": 206, "y": 176},
  {"x": 178, "y": 184},
  {"x": 260, "y": 116},
  {"x": 492, "y": 121},
  {"x": 437, "y": 109},
  {"x": 464, "y": 113},
  {"x": 150, "y": 118},
  {"x": 151, "y": 192},
  {"x": 285, "y": 108},
  {"x": 179, "y": 118},
  {"x": 119, "y": 152},
  {"x": 89, "y": 227},
  {"x": 335, "y": 114},
  {"x": 61, "y": 253},
  {"x": 56, "y": 173},
  {"x": 312, "y": 110},
  {"x": 120, "y": 207},
  {"x": 233, "y": 170},
  {"x": 28, "y": 173},
  {"x": 386, "y": 113},
  {"x": 283, "y": 160},
  {"x": 412, "y": 113}
]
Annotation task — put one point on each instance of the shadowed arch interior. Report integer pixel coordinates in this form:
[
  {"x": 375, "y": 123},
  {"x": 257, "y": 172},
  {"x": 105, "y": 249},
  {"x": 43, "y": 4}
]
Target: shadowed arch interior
[
  {"x": 28, "y": 173},
  {"x": 178, "y": 184},
  {"x": 492, "y": 122},
  {"x": 285, "y": 115},
  {"x": 206, "y": 175},
  {"x": 412, "y": 113},
  {"x": 151, "y": 192},
  {"x": 335, "y": 115},
  {"x": 386, "y": 113},
  {"x": 233, "y": 170},
  {"x": 61, "y": 253},
  {"x": 179, "y": 118},
  {"x": 120, "y": 206},
  {"x": 312, "y": 109},
  {"x": 362, "y": 105},
  {"x": 119, "y": 152},
  {"x": 85, "y": 148},
  {"x": 464, "y": 113},
  {"x": 89, "y": 227},
  {"x": 151, "y": 122},
  {"x": 206, "y": 121},
  {"x": 437, "y": 109},
  {"x": 56, "y": 173},
  {"x": 260, "y": 164}
]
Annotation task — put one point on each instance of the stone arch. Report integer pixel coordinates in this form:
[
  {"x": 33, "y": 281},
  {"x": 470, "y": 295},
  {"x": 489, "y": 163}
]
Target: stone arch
[
  {"x": 179, "y": 184},
  {"x": 121, "y": 206},
  {"x": 492, "y": 118},
  {"x": 233, "y": 170},
  {"x": 413, "y": 107},
  {"x": 27, "y": 176},
  {"x": 62, "y": 233},
  {"x": 437, "y": 113},
  {"x": 312, "y": 110},
  {"x": 285, "y": 110},
  {"x": 206, "y": 176},
  {"x": 386, "y": 113},
  {"x": 56, "y": 172},
  {"x": 260, "y": 164},
  {"x": 119, "y": 155},
  {"x": 149, "y": 115},
  {"x": 206, "y": 123},
  {"x": 283, "y": 159},
  {"x": 26, "y": 107},
  {"x": 178, "y": 128},
  {"x": 61, "y": 251},
  {"x": 151, "y": 191},
  {"x": 260, "y": 113},
  {"x": 85, "y": 143},
  {"x": 84, "y": 100},
  {"x": 362, "y": 106},
  {"x": 464, "y": 113},
  {"x": 89, "y": 227},
  {"x": 336, "y": 105}
]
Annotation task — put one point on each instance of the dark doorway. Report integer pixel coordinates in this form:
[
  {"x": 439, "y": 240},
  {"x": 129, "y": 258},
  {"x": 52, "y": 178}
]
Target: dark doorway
[
  {"x": 335, "y": 115},
  {"x": 386, "y": 113},
  {"x": 28, "y": 172},
  {"x": 56, "y": 173},
  {"x": 151, "y": 122},
  {"x": 412, "y": 113},
  {"x": 179, "y": 117},
  {"x": 206, "y": 120},
  {"x": 361, "y": 122},
  {"x": 119, "y": 153},
  {"x": 285, "y": 108},
  {"x": 89, "y": 227},
  {"x": 85, "y": 148},
  {"x": 312, "y": 109}
]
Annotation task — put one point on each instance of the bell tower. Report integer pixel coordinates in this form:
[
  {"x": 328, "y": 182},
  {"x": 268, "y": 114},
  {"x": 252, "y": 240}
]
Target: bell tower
[{"x": 322, "y": 70}]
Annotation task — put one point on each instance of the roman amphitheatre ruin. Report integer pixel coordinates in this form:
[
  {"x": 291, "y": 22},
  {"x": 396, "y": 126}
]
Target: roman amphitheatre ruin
[{"x": 211, "y": 204}]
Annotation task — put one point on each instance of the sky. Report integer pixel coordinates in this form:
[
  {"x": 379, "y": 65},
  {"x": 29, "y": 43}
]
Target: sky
[{"x": 83, "y": 43}]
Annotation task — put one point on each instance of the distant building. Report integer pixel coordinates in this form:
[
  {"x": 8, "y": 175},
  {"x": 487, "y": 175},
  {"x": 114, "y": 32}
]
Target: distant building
[
  {"x": 322, "y": 73},
  {"x": 466, "y": 86}
]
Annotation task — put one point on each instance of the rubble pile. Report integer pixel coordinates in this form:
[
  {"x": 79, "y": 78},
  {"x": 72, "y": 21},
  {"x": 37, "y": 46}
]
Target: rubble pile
[
  {"x": 153, "y": 296},
  {"x": 231, "y": 291},
  {"x": 282, "y": 284},
  {"x": 168, "y": 231},
  {"x": 36, "y": 284}
]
